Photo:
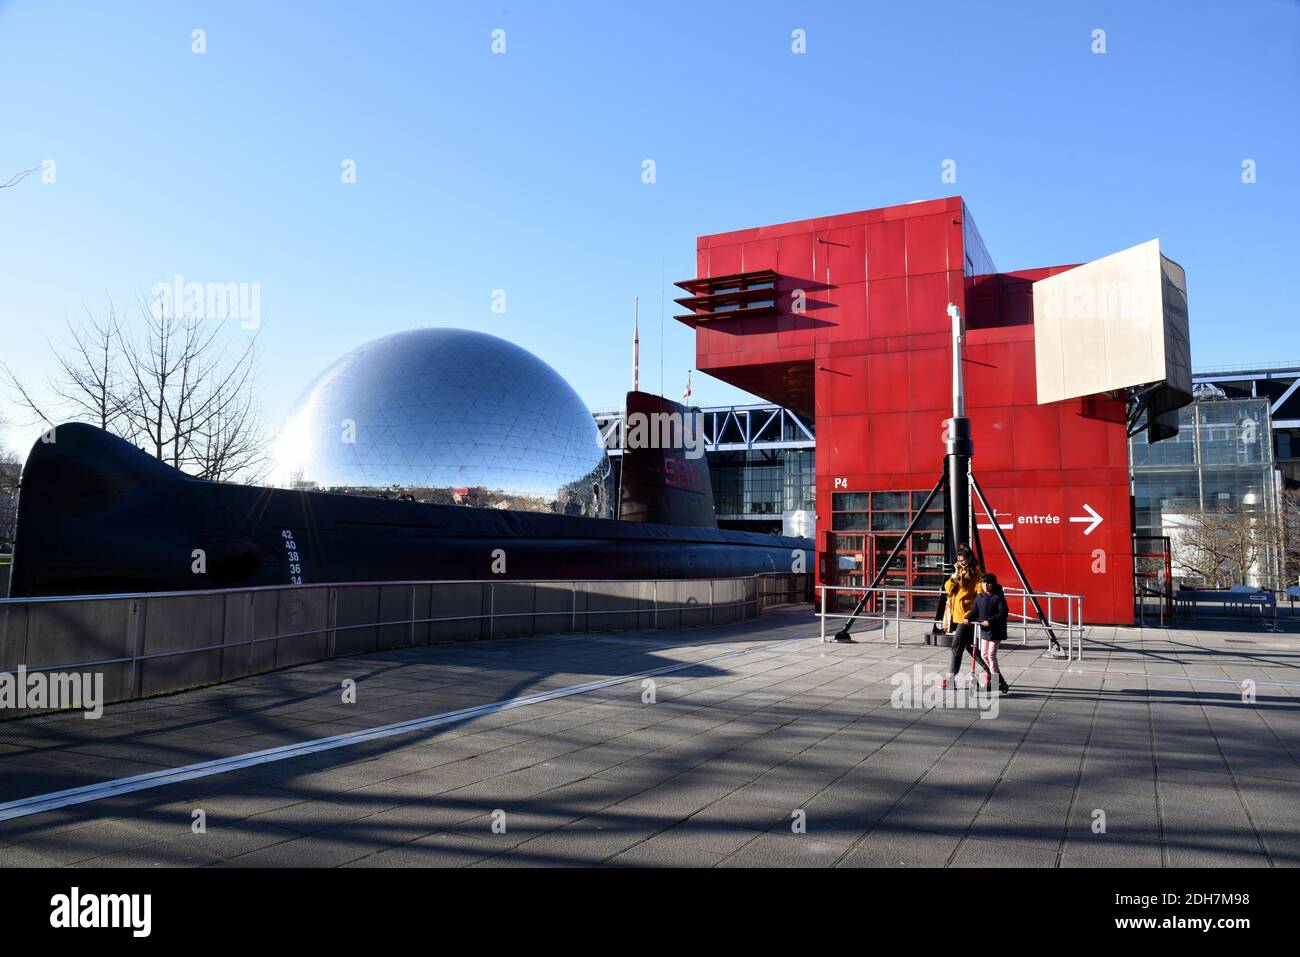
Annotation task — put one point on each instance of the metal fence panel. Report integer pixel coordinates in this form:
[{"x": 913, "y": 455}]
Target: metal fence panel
[
  {"x": 303, "y": 622},
  {"x": 457, "y": 610},
  {"x": 357, "y": 612},
  {"x": 174, "y": 626},
  {"x": 146, "y": 644},
  {"x": 394, "y": 606},
  {"x": 13, "y": 635}
]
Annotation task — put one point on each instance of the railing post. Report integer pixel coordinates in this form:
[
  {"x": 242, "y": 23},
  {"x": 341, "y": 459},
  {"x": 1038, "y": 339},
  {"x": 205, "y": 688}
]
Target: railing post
[
  {"x": 898, "y": 619},
  {"x": 823, "y": 615},
  {"x": 1080, "y": 627},
  {"x": 492, "y": 610},
  {"x": 411, "y": 640},
  {"x": 250, "y": 632},
  {"x": 332, "y": 641},
  {"x": 655, "y": 603},
  {"x": 137, "y": 647},
  {"x": 712, "y": 601},
  {"x": 573, "y": 607}
]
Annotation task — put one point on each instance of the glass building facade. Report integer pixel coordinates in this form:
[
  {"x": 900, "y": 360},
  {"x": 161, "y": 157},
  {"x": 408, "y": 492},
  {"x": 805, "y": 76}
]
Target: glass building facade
[
  {"x": 761, "y": 465},
  {"x": 762, "y": 484},
  {"x": 759, "y": 490},
  {"x": 1222, "y": 460}
]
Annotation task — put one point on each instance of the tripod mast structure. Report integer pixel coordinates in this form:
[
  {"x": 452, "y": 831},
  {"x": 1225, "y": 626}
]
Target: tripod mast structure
[
  {"x": 956, "y": 482},
  {"x": 958, "y": 445}
]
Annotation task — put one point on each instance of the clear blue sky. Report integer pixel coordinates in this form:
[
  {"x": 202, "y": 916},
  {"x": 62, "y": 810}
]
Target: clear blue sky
[{"x": 523, "y": 171}]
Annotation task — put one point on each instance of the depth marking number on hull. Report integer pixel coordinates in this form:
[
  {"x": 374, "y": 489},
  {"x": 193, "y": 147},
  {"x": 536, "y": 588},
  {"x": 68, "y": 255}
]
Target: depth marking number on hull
[{"x": 295, "y": 558}]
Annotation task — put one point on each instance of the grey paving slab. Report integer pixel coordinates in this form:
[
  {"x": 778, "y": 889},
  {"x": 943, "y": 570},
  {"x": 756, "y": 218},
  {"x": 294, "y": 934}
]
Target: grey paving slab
[
  {"x": 1143, "y": 731},
  {"x": 657, "y": 852},
  {"x": 1084, "y": 848},
  {"x": 890, "y": 847},
  {"x": 785, "y": 848},
  {"x": 992, "y": 853}
]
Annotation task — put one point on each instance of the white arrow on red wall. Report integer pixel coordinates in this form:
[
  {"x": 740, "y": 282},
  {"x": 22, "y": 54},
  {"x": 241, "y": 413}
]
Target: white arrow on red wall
[
  {"x": 989, "y": 525},
  {"x": 1092, "y": 518}
]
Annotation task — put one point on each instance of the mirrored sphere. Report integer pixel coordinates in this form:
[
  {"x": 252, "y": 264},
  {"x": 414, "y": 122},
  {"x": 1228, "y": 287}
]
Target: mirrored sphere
[{"x": 447, "y": 416}]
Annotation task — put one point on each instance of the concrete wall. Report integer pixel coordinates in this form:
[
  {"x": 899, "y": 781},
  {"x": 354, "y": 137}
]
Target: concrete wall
[{"x": 150, "y": 644}]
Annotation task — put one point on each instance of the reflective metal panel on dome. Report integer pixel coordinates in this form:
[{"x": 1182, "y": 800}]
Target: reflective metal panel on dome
[{"x": 447, "y": 416}]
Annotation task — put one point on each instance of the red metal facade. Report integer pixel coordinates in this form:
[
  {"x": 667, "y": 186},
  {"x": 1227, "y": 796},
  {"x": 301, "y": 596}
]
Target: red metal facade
[{"x": 858, "y": 335}]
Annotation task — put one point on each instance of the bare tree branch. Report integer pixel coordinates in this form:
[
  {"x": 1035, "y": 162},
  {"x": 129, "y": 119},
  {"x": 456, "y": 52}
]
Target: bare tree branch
[
  {"x": 169, "y": 386},
  {"x": 18, "y": 177}
]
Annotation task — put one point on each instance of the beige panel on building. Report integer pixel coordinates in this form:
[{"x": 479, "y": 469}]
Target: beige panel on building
[{"x": 1116, "y": 322}]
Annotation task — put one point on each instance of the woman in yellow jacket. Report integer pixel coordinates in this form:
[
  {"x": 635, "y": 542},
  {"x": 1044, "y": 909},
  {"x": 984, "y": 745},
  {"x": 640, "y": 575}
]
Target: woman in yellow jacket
[{"x": 961, "y": 590}]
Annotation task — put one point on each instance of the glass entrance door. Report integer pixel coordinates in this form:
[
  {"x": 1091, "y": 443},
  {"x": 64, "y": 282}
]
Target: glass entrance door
[{"x": 867, "y": 526}]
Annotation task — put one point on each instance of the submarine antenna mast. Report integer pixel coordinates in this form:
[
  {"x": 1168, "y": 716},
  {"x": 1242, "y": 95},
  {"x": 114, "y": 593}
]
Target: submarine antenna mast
[{"x": 636, "y": 344}]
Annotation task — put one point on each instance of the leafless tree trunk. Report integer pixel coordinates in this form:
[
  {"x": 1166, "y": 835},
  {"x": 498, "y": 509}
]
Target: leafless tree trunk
[
  {"x": 189, "y": 403},
  {"x": 88, "y": 378}
]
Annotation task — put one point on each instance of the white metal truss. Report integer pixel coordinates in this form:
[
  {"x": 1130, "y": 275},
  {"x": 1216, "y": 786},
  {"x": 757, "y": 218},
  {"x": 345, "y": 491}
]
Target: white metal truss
[
  {"x": 730, "y": 428},
  {"x": 1238, "y": 376}
]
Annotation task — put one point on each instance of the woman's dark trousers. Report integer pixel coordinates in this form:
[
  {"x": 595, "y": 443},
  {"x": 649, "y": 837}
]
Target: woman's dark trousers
[{"x": 963, "y": 639}]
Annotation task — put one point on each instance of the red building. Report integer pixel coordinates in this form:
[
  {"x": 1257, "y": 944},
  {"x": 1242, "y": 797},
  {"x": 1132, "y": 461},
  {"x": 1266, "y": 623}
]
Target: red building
[{"x": 844, "y": 318}]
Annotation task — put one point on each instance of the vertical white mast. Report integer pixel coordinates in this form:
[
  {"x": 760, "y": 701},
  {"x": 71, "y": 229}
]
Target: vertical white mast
[
  {"x": 958, "y": 385},
  {"x": 636, "y": 344}
]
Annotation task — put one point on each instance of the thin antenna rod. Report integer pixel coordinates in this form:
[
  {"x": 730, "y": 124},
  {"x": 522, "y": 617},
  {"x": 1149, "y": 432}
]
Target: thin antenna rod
[
  {"x": 636, "y": 344},
  {"x": 661, "y": 327}
]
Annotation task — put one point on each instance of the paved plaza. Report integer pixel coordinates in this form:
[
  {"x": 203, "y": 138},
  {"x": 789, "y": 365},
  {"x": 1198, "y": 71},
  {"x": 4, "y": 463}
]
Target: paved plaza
[{"x": 744, "y": 745}]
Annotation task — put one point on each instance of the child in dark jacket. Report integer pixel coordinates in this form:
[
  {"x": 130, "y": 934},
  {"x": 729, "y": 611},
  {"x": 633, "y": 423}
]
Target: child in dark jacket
[{"x": 990, "y": 613}]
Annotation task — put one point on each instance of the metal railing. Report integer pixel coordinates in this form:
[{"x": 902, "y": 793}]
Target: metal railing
[
  {"x": 153, "y": 642},
  {"x": 1052, "y": 602}
]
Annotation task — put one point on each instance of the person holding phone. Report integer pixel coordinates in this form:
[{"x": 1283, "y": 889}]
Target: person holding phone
[{"x": 962, "y": 588}]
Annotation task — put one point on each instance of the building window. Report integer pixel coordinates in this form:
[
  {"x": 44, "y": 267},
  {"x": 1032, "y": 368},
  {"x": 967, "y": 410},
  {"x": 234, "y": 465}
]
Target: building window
[{"x": 865, "y": 527}]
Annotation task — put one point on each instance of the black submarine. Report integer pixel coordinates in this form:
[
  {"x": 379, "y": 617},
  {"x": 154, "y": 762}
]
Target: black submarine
[{"x": 96, "y": 515}]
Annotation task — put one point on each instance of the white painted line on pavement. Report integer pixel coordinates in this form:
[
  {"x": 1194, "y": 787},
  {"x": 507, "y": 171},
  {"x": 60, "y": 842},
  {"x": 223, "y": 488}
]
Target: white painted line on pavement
[
  {"x": 39, "y": 803},
  {"x": 1142, "y": 674}
]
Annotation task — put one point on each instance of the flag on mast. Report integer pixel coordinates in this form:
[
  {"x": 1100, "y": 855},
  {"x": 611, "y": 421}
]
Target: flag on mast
[
  {"x": 686, "y": 396},
  {"x": 636, "y": 345}
]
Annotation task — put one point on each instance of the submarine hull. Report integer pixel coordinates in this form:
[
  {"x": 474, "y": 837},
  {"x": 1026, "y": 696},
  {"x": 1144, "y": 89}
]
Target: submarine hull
[{"x": 98, "y": 516}]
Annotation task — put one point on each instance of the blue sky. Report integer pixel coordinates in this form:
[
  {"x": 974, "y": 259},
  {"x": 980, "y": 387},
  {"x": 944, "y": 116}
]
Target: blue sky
[{"x": 522, "y": 171}]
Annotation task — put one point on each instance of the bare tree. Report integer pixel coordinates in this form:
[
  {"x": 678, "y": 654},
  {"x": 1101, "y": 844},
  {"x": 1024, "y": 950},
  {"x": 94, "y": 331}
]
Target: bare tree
[
  {"x": 88, "y": 378},
  {"x": 87, "y": 384},
  {"x": 1289, "y": 534},
  {"x": 170, "y": 386},
  {"x": 10, "y": 469},
  {"x": 228, "y": 442},
  {"x": 1227, "y": 547},
  {"x": 187, "y": 401}
]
